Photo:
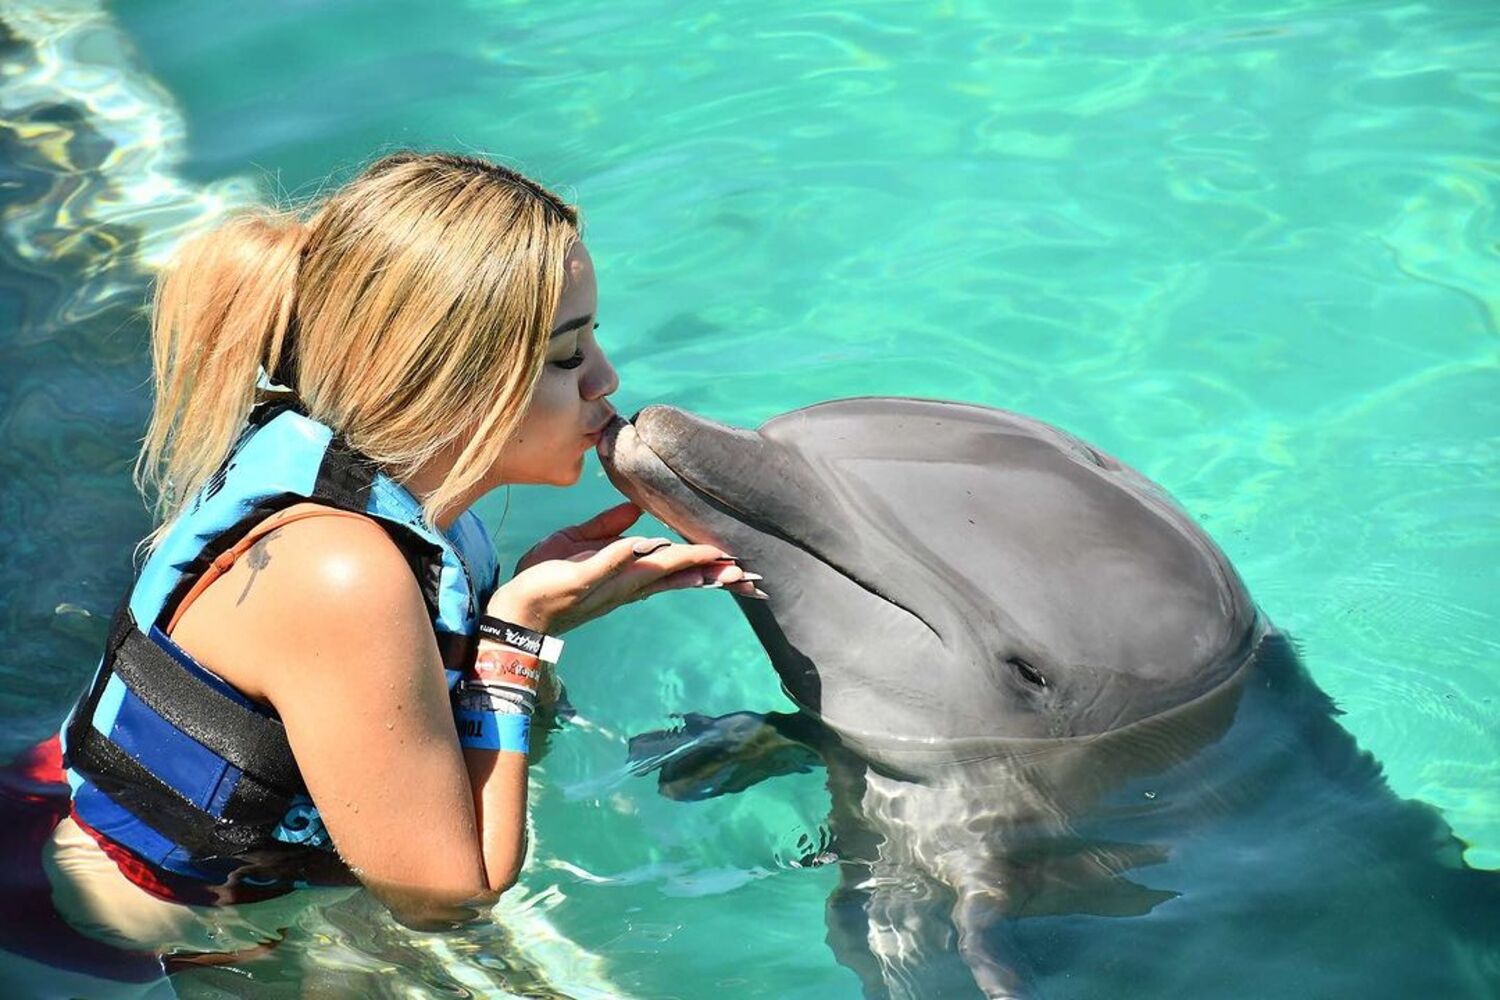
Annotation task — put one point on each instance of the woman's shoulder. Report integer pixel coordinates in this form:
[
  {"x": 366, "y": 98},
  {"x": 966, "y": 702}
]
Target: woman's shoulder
[
  {"x": 334, "y": 554},
  {"x": 314, "y": 588},
  {"x": 309, "y": 558}
]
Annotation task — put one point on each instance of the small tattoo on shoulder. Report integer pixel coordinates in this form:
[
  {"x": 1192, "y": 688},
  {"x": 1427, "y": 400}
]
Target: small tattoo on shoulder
[{"x": 258, "y": 558}]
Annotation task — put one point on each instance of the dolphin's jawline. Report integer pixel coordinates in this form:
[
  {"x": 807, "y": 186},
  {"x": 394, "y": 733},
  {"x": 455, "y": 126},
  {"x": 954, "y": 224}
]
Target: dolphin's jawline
[{"x": 744, "y": 517}]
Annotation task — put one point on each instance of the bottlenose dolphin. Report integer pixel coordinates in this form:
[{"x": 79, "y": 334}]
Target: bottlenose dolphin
[{"x": 1029, "y": 675}]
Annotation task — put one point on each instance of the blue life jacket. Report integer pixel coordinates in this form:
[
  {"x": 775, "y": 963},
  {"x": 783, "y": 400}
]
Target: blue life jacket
[{"x": 169, "y": 761}]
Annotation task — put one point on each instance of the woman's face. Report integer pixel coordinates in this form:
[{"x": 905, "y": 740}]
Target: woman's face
[{"x": 569, "y": 409}]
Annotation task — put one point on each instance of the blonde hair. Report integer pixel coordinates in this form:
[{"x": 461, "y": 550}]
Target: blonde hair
[{"x": 410, "y": 312}]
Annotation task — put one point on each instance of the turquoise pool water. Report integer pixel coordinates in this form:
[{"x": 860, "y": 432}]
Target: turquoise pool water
[{"x": 1250, "y": 248}]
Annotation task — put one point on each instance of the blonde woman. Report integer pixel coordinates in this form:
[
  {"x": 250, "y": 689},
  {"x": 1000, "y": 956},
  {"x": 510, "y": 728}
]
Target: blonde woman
[{"x": 318, "y": 675}]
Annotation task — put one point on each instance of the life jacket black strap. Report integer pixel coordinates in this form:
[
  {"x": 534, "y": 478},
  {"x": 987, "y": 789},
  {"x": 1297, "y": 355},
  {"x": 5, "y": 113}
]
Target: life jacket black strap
[
  {"x": 252, "y": 742},
  {"x": 456, "y": 650},
  {"x": 268, "y": 404},
  {"x": 253, "y": 810},
  {"x": 143, "y": 794},
  {"x": 244, "y": 833},
  {"x": 344, "y": 477}
]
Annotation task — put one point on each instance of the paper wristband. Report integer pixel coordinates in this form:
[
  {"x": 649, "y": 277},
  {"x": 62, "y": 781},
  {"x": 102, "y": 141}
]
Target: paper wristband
[
  {"x": 546, "y": 648},
  {"x": 508, "y": 733},
  {"x": 506, "y": 668}
]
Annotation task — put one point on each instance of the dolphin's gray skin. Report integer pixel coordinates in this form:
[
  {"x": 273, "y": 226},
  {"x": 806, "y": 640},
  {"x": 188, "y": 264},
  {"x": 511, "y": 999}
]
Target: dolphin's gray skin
[{"x": 1029, "y": 673}]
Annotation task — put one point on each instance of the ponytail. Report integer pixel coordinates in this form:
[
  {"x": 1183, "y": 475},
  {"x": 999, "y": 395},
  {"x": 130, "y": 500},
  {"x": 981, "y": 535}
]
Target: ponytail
[{"x": 221, "y": 313}]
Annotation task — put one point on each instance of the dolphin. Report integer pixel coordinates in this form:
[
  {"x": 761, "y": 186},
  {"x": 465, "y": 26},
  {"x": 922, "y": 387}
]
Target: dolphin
[{"x": 1066, "y": 753}]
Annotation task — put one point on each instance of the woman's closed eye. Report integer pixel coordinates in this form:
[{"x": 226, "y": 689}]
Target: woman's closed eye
[
  {"x": 571, "y": 362},
  {"x": 577, "y": 357}
]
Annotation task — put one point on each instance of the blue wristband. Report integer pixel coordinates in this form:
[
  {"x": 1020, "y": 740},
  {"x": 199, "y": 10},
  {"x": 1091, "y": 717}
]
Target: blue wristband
[{"x": 507, "y": 732}]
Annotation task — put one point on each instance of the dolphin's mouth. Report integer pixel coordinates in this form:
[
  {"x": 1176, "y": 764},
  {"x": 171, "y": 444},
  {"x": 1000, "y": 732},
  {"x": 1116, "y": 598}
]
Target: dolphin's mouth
[
  {"x": 748, "y": 519},
  {"x": 639, "y": 488}
]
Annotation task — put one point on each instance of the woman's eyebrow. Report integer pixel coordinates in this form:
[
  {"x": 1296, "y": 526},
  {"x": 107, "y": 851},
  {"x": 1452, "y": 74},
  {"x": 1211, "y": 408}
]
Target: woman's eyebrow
[{"x": 573, "y": 324}]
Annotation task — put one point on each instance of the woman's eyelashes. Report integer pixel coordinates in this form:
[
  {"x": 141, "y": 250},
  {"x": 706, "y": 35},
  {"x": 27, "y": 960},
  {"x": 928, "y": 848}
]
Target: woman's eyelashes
[{"x": 570, "y": 363}]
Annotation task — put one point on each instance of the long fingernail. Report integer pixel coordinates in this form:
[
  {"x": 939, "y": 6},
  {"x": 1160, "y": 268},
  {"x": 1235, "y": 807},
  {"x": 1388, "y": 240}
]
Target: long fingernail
[
  {"x": 646, "y": 546},
  {"x": 749, "y": 578},
  {"x": 757, "y": 594},
  {"x": 727, "y": 559},
  {"x": 710, "y": 586}
]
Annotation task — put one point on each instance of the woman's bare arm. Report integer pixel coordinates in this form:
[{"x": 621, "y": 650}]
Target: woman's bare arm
[
  {"x": 328, "y": 625},
  {"x": 324, "y": 621}
]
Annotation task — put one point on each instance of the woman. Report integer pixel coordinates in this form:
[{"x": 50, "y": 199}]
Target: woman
[{"x": 297, "y": 691}]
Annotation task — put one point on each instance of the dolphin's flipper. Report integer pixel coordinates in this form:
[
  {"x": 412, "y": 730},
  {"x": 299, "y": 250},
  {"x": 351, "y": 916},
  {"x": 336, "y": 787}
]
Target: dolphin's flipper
[{"x": 706, "y": 756}]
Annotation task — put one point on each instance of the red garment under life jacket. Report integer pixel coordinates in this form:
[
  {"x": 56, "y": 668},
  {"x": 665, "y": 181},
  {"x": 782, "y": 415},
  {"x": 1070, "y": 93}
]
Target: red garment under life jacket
[{"x": 34, "y": 798}]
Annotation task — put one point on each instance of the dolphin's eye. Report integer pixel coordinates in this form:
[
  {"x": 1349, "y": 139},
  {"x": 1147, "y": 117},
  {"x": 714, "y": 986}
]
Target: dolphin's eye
[{"x": 1028, "y": 673}]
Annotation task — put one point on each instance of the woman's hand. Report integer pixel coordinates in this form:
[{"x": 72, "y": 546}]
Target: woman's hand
[{"x": 587, "y": 570}]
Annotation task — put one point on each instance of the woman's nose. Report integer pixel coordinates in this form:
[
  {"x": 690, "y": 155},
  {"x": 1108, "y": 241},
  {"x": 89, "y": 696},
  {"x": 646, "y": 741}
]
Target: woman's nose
[{"x": 603, "y": 380}]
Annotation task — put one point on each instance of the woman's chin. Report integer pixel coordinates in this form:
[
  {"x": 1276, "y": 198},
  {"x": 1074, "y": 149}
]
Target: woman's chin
[
  {"x": 570, "y": 476},
  {"x": 558, "y": 474}
]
